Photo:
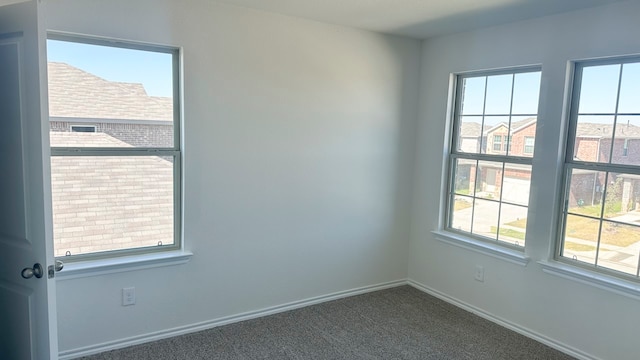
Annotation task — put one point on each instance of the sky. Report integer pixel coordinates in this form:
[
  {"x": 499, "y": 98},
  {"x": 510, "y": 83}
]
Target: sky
[
  {"x": 152, "y": 69},
  {"x": 598, "y": 93}
]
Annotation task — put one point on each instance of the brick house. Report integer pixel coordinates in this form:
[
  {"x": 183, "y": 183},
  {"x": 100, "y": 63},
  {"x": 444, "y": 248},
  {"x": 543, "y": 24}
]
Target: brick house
[
  {"x": 110, "y": 202},
  {"x": 593, "y": 143}
]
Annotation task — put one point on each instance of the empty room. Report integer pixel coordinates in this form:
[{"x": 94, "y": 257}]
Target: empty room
[{"x": 298, "y": 179}]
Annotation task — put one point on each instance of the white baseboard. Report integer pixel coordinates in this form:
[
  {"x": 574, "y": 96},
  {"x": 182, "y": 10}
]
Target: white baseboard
[
  {"x": 504, "y": 323},
  {"x": 181, "y": 330}
]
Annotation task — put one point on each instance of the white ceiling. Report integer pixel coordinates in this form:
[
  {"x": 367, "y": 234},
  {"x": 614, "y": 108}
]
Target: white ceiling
[{"x": 418, "y": 18}]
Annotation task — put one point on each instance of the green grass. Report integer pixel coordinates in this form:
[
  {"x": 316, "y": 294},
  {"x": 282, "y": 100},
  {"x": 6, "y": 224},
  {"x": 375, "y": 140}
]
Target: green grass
[
  {"x": 509, "y": 232},
  {"x": 611, "y": 210},
  {"x": 460, "y": 205},
  {"x": 587, "y": 229},
  {"x": 521, "y": 223},
  {"x": 612, "y": 234}
]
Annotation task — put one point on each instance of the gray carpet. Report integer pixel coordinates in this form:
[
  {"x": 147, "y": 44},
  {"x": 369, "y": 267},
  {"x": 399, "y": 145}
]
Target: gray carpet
[{"x": 398, "y": 323}]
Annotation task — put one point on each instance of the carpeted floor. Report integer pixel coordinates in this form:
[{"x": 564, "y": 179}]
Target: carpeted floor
[{"x": 398, "y": 323}]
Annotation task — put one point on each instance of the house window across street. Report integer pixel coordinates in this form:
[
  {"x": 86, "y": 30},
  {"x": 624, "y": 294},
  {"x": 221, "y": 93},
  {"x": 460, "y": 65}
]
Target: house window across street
[
  {"x": 529, "y": 142},
  {"x": 601, "y": 205},
  {"x": 83, "y": 128},
  {"x": 115, "y": 147},
  {"x": 488, "y": 189}
]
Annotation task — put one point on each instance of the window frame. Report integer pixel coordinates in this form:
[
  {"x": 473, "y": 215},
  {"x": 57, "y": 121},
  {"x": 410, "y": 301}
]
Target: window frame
[
  {"x": 485, "y": 244},
  {"x": 498, "y": 143},
  {"x": 570, "y": 163},
  {"x": 174, "y": 151},
  {"x": 524, "y": 149}
]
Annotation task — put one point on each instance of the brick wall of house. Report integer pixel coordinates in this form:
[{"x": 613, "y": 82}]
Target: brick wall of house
[
  {"x": 585, "y": 190},
  {"x": 502, "y": 132},
  {"x": 587, "y": 149},
  {"x": 632, "y": 155},
  {"x": 517, "y": 173},
  {"x": 517, "y": 140},
  {"x": 137, "y": 135}
]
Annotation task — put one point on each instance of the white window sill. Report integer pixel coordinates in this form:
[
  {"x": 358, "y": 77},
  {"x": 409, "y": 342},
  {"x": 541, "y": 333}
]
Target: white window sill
[
  {"x": 593, "y": 278},
  {"x": 494, "y": 250},
  {"x": 82, "y": 269}
]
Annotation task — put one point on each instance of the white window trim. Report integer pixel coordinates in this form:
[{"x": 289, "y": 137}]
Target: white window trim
[
  {"x": 559, "y": 265},
  {"x": 487, "y": 247},
  {"x": 592, "y": 277},
  {"x": 494, "y": 250},
  {"x": 113, "y": 265},
  {"x": 146, "y": 257}
]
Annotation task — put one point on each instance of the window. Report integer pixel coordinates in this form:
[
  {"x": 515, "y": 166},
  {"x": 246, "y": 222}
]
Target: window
[
  {"x": 601, "y": 209},
  {"x": 83, "y": 128},
  {"x": 488, "y": 194},
  {"x": 115, "y": 177},
  {"x": 529, "y": 141},
  {"x": 497, "y": 143}
]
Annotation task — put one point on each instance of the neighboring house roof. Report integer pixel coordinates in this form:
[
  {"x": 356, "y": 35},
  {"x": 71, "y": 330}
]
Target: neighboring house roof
[
  {"x": 109, "y": 202},
  {"x": 515, "y": 126},
  {"x": 75, "y": 93},
  {"x": 471, "y": 129},
  {"x": 592, "y": 130},
  {"x": 599, "y": 130}
]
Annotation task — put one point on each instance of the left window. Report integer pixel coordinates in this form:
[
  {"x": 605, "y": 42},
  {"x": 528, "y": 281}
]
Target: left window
[
  {"x": 114, "y": 116},
  {"x": 491, "y": 152}
]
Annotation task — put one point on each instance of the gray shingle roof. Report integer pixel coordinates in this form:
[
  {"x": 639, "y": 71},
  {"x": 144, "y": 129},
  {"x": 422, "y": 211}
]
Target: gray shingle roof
[
  {"x": 598, "y": 130},
  {"x": 78, "y": 94}
]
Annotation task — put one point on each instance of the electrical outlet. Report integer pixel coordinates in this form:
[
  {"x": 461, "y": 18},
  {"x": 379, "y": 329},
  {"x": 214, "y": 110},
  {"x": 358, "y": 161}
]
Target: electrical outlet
[
  {"x": 128, "y": 296},
  {"x": 479, "y": 274}
]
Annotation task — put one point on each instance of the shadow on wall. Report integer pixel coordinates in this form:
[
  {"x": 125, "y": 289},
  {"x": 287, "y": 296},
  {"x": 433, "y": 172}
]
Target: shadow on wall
[{"x": 498, "y": 14}]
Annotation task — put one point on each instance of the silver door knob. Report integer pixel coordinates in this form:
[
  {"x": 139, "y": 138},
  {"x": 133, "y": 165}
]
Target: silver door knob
[
  {"x": 59, "y": 265},
  {"x": 36, "y": 271}
]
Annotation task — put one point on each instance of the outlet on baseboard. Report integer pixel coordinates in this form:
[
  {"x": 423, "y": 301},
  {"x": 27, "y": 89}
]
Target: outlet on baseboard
[
  {"x": 128, "y": 296},
  {"x": 479, "y": 274}
]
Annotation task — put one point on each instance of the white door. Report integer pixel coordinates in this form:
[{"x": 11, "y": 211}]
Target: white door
[{"x": 28, "y": 327}]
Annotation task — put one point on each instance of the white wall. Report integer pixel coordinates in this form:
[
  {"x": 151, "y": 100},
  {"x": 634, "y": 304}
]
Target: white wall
[
  {"x": 298, "y": 155},
  {"x": 596, "y": 323}
]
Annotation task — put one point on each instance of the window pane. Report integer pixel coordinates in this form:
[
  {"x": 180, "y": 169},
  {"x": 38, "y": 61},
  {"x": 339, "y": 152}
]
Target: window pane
[
  {"x": 485, "y": 218},
  {"x": 626, "y": 147},
  {"x": 470, "y": 134},
  {"x": 618, "y": 250},
  {"x": 516, "y": 184},
  {"x": 111, "y": 202},
  {"x": 498, "y": 100},
  {"x": 489, "y": 180},
  {"x": 585, "y": 192},
  {"x": 523, "y": 129},
  {"x": 599, "y": 89},
  {"x": 124, "y": 94},
  {"x": 630, "y": 89},
  {"x": 465, "y": 175},
  {"x": 495, "y": 128},
  {"x": 622, "y": 198},
  {"x": 462, "y": 213},
  {"x": 581, "y": 238},
  {"x": 473, "y": 95},
  {"x": 526, "y": 90},
  {"x": 593, "y": 138},
  {"x": 513, "y": 224}
]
